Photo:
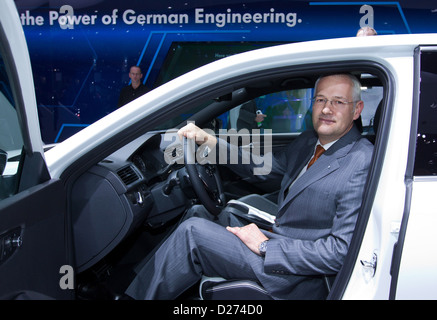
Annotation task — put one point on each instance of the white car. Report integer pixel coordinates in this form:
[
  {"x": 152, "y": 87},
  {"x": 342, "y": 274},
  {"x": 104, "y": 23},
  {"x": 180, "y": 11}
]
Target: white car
[{"x": 82, "y": 214}]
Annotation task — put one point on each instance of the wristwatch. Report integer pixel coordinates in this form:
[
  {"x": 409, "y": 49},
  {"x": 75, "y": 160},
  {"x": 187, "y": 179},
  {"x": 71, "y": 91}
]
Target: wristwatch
[{"x": 263, "y": 248}]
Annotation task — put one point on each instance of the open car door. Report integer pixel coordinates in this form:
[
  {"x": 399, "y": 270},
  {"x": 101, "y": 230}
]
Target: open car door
[{"x": 34, "y": 263}]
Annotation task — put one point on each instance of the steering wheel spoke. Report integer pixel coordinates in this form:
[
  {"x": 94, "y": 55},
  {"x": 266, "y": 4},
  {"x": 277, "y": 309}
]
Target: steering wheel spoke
[{"x": 205, "y": 180}]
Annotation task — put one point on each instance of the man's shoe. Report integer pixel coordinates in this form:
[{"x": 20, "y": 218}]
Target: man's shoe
[{"x": 122, "y": 296}]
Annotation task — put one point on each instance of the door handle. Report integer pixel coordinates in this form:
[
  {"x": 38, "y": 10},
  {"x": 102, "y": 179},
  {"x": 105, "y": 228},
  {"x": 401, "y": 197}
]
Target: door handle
[
  {"x": 370, "y": 266},
  {"x": 9, "y": 242}
]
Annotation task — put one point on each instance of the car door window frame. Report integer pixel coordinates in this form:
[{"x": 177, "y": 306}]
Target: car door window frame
[
  {"x": 386, "y": 109},
  {"x": 31, "y": 169},
  {"x": 411, "y": 174}
]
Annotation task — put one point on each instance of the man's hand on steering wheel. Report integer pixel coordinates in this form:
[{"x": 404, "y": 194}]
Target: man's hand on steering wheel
[
  {"x": 205, "y": 180},
  {"x": 191, "y": 131}
]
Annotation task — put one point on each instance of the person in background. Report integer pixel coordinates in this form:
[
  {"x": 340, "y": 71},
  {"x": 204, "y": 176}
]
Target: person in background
[
  {"x": 135, "y": 89},
  {"x": 366, "y": 31},
  {"x": 250, "y": 117}
]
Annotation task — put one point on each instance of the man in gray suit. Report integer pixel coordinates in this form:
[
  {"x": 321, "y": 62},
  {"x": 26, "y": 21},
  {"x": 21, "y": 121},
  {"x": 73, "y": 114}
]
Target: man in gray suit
[{"x": 316, "y": 215}]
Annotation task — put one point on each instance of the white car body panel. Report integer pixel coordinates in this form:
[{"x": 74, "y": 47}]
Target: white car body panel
[
  {"x": 389, "y": 201},
  {"x": 417, "y": 275}
]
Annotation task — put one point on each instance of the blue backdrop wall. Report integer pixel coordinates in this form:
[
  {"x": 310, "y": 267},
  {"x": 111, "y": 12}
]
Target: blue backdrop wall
[{"x": 81, "y": 51}]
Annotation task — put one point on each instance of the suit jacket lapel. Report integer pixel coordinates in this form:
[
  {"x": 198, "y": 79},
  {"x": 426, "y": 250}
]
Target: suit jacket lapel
[
  {"x": 302, "y": 159},
  {"x": 322, "y": 167},
  {"x": 326, "y": 164}
]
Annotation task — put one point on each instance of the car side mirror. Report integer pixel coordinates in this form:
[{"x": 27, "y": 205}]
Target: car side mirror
[{"x": 3, "y": 160}]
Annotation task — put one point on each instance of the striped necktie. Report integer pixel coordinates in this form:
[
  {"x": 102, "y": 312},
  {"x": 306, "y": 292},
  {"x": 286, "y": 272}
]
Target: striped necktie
[{"x": 317, "y": 154}]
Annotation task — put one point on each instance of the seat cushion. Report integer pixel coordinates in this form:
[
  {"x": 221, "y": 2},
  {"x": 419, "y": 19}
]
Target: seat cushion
[{"x": 221, "y": 289}]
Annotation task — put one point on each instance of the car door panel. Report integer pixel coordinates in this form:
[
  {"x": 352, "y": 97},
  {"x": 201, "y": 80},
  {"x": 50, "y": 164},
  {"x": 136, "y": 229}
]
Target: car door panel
[
  {"x": 37, "y": 217},
  {"x": 32, "y": 206}
]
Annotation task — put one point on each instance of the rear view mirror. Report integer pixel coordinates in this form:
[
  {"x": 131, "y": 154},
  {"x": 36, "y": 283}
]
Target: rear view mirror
[{"x": 3, "y": 160}]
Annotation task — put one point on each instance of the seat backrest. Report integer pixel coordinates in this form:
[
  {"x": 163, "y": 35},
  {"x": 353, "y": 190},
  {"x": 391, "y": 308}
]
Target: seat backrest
[{"x": 377, "y": 117}]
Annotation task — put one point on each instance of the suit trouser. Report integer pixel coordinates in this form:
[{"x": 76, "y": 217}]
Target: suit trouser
[
  {"x": 197, "y": 247},
  {"x": 202, "y": 246}
]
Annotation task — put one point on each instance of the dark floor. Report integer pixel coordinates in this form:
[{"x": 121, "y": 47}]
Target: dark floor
[{"x": 109, "y": 278}]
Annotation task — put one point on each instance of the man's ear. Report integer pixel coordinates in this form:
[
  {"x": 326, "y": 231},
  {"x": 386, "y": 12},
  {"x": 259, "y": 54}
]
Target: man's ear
[{"x": 358, "y": 109}]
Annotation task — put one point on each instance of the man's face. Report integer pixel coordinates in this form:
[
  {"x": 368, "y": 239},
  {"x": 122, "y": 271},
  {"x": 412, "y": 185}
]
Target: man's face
[
  {"x": 332, "y": 120},
  {"x": 135, "y": 74}
]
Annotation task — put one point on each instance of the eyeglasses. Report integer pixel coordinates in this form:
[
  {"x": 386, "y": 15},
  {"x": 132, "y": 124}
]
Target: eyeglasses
[{"x": 336, "y": 103}]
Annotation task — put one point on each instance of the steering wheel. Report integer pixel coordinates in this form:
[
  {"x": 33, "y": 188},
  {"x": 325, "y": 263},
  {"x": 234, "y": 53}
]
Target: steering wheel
[{"x": 205, "y": 180}]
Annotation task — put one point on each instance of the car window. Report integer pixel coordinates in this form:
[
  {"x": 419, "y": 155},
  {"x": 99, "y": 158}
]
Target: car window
[
  {"x": 287, "y": 111},
  {"x": 11, "y": 140},
  {"x": 426, "y": 143},
  {"x": 290, "y": 111},
  {"x": 372, "y": 97},
  {"x": 176, "y": 119},
  {"x": 282, "y": 112}
]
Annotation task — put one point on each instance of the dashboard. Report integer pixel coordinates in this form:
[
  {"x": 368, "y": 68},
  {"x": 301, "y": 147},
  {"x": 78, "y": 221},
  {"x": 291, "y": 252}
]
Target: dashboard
[{"x": 136, "y": 185}]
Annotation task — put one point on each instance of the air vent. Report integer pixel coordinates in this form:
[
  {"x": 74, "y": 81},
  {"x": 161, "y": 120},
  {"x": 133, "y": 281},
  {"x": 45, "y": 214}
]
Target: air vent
[{"x": 128, "y": 175}]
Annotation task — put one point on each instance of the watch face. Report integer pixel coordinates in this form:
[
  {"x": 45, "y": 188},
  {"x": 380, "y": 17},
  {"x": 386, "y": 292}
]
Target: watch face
[{"x": 263, "y": 247}]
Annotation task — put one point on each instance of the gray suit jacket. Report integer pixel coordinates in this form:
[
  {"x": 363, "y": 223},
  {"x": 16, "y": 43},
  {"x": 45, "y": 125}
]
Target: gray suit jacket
[{"x": 316, "y": 218}]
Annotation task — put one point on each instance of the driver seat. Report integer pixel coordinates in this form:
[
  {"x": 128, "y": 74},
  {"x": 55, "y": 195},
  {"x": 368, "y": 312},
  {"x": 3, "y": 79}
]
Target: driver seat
[
  {"x": 216, "y": 288},
  {"x": 254, "y": 208}
]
